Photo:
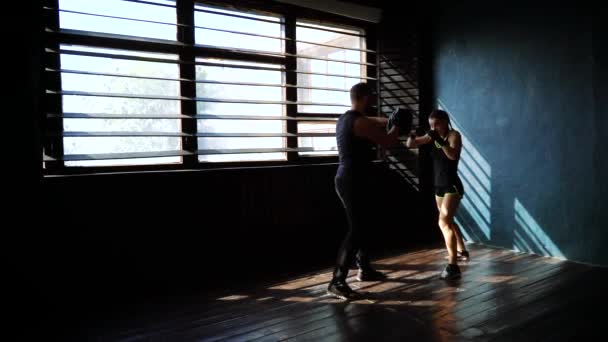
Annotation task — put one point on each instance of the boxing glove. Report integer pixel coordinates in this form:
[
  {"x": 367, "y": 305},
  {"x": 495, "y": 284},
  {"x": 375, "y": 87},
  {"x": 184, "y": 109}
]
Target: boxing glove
[
  {"x": 436, "y": 138},
  {"x": 402, "y": 118}
]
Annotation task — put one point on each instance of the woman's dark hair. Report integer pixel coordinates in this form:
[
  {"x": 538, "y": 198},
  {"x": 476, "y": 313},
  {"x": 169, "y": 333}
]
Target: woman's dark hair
[
  {"x": 359, "y": 90},
  {"x": 442, "y": 115}
]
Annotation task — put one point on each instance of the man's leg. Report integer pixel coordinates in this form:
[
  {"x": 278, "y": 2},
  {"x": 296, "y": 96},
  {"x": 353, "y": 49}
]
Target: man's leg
[
  {"x": 353, "y": 244},
  {"x": 366, "y": 271},
  {"x": 350, "y": 244}
]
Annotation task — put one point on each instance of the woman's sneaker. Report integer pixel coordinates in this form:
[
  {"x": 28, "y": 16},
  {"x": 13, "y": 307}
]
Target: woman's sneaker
[
  {"x": 451, "y": 272},
  {"x": 461, "y": 256}
]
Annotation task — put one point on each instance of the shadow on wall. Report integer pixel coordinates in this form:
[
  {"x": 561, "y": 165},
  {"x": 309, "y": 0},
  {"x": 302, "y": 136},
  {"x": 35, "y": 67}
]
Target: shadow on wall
[
  {"x": 529, "y": 236},
  {"x": 475, "y": 214}
]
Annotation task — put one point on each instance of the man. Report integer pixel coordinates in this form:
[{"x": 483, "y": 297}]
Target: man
[{"x": 357, "y": 134}]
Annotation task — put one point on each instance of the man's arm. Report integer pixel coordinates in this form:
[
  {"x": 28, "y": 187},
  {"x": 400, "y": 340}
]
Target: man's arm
[
  {"x": 369, "y": 129},
  {"x": 381, "y": 122}
]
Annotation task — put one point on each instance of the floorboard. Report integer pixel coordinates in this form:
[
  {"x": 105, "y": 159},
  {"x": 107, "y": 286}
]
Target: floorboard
[{"x": 502, "y": 296}]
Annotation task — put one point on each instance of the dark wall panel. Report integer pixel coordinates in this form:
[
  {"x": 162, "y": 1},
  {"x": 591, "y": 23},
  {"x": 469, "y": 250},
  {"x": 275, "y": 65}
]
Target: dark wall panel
[{"x": 113, "y": 239}]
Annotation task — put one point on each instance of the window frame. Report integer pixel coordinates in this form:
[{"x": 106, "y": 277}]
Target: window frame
[{"x": 186, "y": 49}]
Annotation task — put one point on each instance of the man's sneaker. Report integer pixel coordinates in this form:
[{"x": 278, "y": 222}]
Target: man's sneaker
[
  {"x": 370, "y": 274},
  {"x": 341, "y": 290},
  {"x": 451, "y": 272}
]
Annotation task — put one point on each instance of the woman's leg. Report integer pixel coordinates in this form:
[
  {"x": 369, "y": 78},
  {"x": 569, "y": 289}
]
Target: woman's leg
[
  {"x": 461, "y": 246},
  {"x": 459, "y": 241},
  {"x": 448, "y": 234},
  {"x": 439, "y": 201},
  {"x": 449, "y": 206}
]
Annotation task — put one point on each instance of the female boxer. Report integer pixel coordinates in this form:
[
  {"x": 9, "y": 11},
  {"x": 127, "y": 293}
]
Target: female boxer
[{"x": 446, "y": 147}]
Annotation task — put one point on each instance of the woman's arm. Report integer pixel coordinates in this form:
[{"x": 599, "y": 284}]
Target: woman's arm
[
  {"x": 413, "y": 141},
  {"x": 453, "y": 145}
]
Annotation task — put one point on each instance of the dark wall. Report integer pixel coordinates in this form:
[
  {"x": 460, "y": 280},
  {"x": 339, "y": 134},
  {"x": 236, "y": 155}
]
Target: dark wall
[
  {"x": 106, "y": 241},
  {"x": 526, "y": 86}
]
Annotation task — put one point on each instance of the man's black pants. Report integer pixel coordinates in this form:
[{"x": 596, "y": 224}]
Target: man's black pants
[{"x": 355, "y": 197}]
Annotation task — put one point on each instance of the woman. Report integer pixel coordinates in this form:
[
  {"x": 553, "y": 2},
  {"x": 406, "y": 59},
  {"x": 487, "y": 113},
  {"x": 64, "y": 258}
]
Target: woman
[{"x": 446, "y": 147}]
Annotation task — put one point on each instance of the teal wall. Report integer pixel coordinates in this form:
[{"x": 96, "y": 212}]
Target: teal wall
[{"x": 527, "y": 88}]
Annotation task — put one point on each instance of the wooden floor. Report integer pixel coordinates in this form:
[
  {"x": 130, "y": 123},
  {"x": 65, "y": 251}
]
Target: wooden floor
[{"x": 503, "y": 296}]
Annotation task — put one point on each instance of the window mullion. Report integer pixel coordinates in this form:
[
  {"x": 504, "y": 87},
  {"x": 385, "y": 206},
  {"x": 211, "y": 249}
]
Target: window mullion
[
  {"x": 372, "y": 43},
  {"x": 185, "y": 34},
  {"x": 291, "y": 77},
  {"x": 53, "y": 139}
]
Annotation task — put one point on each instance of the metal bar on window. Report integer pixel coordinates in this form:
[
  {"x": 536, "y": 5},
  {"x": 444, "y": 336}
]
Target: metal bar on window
[
  {"x": 332, "y": 60},
  {"x": 87, "y": 134},
  {"x": 278, "y": 21},
  {"x": 188, "y": 117},
  {"x": 182, "y": 98},
  {"x": 335, "y": 46},
  {"x": 210, "y": 52},
  {"x": 112, "y": 17},
  {"x": 161, "y": 154},
  {"x": 129, "y": 155},
  {"x": 109, "y": 74},
  {"x": 115, "y": 116},
  {"x": 282, "y": 38},
  {"x": 251, "y": 150},
  {"x": 210, "y": 29},
  {"x": 140, "y": 44},
  {"x": 330, "y": 30},
  {"x": 398, "y": 87},
  {"x": 237, "y": 66},
  {"x": 74, "y": 134},
  {"x": 113, "y": 56},
  {"x": 150, "y": 3},
  {"x": 243, "y": 135},
  {"x": 322, "y": 115},
  {"x": 405, "y": 76},
  {"x": 384, "y": 102},
  {"x": 404, "y": 90},
  {"x": 98, "y": 38},
  {"x": 398, "y": 97},
  {"x": 185, "y": 117}
]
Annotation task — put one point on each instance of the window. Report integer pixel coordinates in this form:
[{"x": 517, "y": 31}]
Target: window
[
  {"x": 331, "y": 60},
  {"x": 120, "y": 17},
  {"x": 235, "y": 77},
  {"x": 160, "y": 82},
  {"x": 323, "y": 143},
  {"x": 217, "y": 27},
  {"x": 99, "y": 118}
]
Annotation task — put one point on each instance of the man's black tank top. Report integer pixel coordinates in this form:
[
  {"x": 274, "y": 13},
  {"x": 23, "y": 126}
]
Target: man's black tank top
[{"x": 356, "y": 154}]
